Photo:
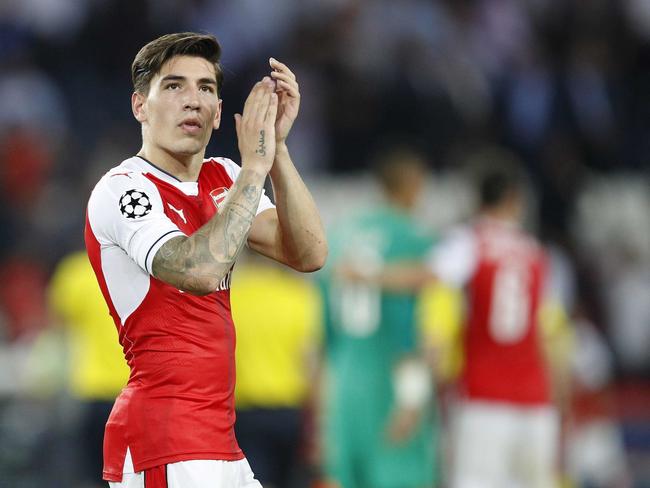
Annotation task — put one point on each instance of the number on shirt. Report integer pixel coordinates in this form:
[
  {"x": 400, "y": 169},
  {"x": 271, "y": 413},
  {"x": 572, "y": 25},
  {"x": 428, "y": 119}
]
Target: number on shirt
[
  {"x": 359, "y": 304},
  {"x": 510, "y": 307},
  {"x": 359, "y": 308}
]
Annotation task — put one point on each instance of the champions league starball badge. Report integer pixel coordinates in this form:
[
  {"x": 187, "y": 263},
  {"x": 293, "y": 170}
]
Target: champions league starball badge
[{"x": 135, "y": 204}]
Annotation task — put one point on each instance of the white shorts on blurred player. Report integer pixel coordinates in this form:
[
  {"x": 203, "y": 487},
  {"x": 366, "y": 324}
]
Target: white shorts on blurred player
[
  {"x": 500, "y": 445},
  {"x": 193, "y": 474}
]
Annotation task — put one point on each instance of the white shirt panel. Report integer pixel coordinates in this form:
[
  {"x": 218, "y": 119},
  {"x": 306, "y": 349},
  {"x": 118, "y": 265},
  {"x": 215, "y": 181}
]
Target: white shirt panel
[
  {"x": 139, "y": 236},
  {"x": 127, "y": 283},
  {"x": 454, "y": 260}
]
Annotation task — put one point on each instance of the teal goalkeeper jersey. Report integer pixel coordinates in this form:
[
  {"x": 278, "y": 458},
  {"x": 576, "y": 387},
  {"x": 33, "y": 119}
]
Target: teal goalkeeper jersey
[{"x": 367, "y": 330}]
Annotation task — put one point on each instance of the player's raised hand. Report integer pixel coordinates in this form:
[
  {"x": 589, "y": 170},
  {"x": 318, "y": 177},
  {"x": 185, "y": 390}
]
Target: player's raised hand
[
  {"x": 288, "y": 98},
  {"x": 256, "y": 126}
]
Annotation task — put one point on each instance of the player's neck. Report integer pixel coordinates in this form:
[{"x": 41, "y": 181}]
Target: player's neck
[
  {"x": 182, "y": 166},
  {"x": 402, "y": 202},
  {"x": 500, "y": 215}
]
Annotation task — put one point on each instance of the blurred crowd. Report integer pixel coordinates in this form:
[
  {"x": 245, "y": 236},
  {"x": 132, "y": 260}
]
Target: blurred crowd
[{"x": 562, "y": 84}]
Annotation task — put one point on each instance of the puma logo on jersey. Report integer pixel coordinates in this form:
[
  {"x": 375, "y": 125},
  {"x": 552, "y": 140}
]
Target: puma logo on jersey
[
  {"x": 127, "y": 174},
  {"x": 180, "y": 212}
]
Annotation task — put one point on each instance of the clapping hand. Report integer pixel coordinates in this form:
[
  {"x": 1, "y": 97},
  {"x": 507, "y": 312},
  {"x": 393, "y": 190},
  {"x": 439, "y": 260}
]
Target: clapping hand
[{"x": 288, "y": 98}]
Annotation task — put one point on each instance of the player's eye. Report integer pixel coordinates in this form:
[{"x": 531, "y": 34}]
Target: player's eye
[
  {"x": 207, "y": 88},
  {"x": 172, "y": 86}
]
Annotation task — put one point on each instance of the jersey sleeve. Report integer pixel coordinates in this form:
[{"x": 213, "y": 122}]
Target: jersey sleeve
[
  {"x": 126, "y": 210},
  {"x": 233, "y": 170},
  {"x": 455, "y": 258}
]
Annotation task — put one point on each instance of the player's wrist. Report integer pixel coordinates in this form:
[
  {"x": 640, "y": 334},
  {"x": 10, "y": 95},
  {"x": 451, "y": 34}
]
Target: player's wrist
[
  {"x": 258, "y": 162},
  {"x": 253, "y": 171},
  {"x": 281, "y": 162},
  {"x": 412, "y": 381},
  {"x": 281, "y": 147}
]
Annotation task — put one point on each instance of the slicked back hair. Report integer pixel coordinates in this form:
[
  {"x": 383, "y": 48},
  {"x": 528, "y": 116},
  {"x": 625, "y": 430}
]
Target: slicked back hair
[{"x": 155, "y": 54}]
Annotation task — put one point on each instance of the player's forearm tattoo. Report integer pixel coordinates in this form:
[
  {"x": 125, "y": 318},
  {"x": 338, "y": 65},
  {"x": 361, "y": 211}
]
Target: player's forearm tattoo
[
  {"x": 250, "y": 192},
  {"x": 204, "y": 258},
  {"x": 261, "y": 145}
]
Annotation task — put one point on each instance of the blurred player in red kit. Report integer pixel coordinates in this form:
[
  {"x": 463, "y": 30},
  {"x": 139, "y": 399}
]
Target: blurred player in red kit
[
  {"x": 505, "y": 427},
  {"x": 163, "y": 231}
]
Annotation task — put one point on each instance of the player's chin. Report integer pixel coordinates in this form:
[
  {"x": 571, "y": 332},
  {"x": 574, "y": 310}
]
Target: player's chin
[{"x": 189, "y": 147}]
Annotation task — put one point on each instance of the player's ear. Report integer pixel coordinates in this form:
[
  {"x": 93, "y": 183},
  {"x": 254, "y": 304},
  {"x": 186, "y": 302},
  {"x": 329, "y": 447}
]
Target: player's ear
[
  {"x": 138, "y": 106},
  {"x": 217, "y": 117}
]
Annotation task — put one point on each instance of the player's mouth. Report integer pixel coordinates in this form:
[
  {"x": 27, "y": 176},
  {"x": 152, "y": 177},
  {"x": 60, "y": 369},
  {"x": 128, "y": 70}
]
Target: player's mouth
[{"x": 191, "y": 126}]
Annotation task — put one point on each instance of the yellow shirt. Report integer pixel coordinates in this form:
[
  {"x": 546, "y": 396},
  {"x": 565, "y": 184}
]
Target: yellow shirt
[
  {"x": 97, "y": 369},
  {"x": 276, "y": 314},
  {"x": 440, "y": 317}
]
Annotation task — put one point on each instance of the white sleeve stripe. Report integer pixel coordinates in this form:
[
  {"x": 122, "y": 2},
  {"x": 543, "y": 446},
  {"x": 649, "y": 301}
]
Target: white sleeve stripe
[{"x": 146, "y": 259}]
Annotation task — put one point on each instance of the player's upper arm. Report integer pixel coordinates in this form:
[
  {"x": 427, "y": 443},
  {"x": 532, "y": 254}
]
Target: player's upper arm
[
  {"x": 455, "y": 258},
  {"x": 126, "y": 210}
]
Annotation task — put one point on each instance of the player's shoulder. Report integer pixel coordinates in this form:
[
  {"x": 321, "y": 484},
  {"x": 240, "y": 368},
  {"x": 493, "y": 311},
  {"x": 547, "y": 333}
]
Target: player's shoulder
[
  {"x": 462, "y": 234},
  {"x": 458, "y": 242},
  {"x": 129, "y": 174},
  {"x": 119, "y": 187},
  {"x": 523, "y": 243},
  {"x": 532, "y": 244}
]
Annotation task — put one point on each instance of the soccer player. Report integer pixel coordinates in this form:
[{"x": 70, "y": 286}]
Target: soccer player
[
  {"x": 163, "y": 231},
  {"x": 378, "y": 417},
  {"x": 506, "y": 430}
]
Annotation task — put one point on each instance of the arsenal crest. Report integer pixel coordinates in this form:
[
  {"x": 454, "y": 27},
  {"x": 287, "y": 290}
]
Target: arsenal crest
[{"x": 218, "y": 195}]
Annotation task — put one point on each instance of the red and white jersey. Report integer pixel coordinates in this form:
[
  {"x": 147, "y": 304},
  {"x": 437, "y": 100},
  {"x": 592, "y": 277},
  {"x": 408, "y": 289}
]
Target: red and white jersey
[
  {"x": 178, "y": 404},
  {"x": 502, "y": 270}
]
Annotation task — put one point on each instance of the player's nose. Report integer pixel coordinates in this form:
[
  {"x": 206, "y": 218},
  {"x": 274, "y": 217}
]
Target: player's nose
[{"x": 191, "y": 101}]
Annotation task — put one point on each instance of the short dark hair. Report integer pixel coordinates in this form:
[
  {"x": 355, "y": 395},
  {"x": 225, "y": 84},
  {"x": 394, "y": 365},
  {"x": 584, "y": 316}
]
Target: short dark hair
[
  {"x": 152, "y": 56},
  {"x": 499, "y": 183},
  {"x": 395, "y": 167},
  {"x": 496, "y": 174},
  {"x": 396, "y": 163}
]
